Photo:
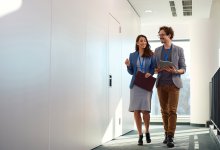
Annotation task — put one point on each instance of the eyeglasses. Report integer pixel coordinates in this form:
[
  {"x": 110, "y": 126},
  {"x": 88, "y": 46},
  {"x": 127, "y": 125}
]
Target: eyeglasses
[{"x": 161, "y": 35}]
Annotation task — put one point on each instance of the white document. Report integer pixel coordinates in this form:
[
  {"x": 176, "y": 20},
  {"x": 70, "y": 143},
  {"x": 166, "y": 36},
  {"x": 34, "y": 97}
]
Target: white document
[{"x": 163, "y": 64}]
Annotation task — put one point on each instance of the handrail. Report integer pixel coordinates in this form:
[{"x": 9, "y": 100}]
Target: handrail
[
  {"x": 215, "y": 125},
  {"x": 215, "y": 100}
]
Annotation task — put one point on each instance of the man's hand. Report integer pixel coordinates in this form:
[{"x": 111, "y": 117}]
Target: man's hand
[{"x": 167, "y": 69}]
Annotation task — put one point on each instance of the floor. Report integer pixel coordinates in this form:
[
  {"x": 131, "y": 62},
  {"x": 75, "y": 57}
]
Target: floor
[{"x": 186, "y": 138}]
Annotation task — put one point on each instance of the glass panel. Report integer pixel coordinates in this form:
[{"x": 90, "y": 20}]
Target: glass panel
[{"x": 184, "y": 101}]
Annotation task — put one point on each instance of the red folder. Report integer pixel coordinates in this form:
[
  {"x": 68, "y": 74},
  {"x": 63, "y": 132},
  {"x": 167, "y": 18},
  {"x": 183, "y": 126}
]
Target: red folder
[{"x": 144, "y": 83}]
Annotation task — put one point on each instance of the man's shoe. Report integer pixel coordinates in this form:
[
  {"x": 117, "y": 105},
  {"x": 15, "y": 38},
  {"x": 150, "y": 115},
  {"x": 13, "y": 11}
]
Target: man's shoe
[
  {"x": 148, "y": 138},
  {"x": 165, "y": 139},
  {"x": 140, "y": 140},
  {"x": 170, "y": 142}
]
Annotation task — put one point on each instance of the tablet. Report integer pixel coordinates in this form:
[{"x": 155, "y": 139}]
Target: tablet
[{"x": 163, "y": 64}]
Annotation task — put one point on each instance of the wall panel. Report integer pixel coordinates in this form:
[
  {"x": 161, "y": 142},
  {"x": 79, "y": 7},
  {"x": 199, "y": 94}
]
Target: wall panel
[
  {"x": 67, "y": 71},
  {"x": 24, "y": 78}
]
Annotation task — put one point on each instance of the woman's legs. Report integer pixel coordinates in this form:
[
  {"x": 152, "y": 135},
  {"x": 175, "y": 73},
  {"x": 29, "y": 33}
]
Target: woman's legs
[
  {"x": 138, "y": 121},
  {"x": 146, "y": 118}
]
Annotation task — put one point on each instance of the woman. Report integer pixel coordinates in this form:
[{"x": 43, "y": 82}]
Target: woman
[{"x": 140, "y": 99}]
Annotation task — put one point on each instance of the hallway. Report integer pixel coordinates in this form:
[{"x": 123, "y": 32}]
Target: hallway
[
  {"x": 64, "y": 83},
  {"x": 186, "y": 138}
]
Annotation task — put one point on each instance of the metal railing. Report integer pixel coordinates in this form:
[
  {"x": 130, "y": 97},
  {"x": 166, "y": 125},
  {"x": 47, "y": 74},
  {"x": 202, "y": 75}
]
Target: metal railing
[{"x": 215, "y": 101}]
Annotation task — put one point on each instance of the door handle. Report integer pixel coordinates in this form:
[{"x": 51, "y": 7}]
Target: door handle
[{"x": 110, "y": 80}]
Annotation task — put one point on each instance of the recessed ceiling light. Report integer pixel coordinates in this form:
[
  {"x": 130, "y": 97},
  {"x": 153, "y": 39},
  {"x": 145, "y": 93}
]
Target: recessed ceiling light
[{"x": 148, "y": 11}]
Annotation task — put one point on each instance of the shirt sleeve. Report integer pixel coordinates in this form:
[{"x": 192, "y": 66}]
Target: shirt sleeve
[{"x": 181, "y": 63}]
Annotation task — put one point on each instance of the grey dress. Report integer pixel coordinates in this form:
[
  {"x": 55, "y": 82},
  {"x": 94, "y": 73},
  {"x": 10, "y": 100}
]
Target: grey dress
[{"x": 140, "y": 99}]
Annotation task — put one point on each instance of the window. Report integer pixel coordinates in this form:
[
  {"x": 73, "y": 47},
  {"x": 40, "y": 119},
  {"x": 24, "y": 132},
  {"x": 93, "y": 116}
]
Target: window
[{"x": 184, "y": 99}]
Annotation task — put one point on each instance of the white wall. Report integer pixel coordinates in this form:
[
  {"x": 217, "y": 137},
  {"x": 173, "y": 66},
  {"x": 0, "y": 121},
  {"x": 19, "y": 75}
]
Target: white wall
[
  {"x": 67, "y": 72},
  {"x": 24, "y": 77},
  {"x": 54, "y": 73},
  {"x": 181, "y": 31},
  {"x": 205, "y": 42}
]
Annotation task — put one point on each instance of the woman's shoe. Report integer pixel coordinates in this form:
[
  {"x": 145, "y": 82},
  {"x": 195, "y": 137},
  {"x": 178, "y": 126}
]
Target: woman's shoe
[
  {"x": 148, "y": 138},
  {"x": 140, "y": 140}
]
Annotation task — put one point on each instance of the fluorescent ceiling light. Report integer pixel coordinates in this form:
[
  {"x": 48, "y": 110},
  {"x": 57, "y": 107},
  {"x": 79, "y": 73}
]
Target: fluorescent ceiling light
[{"x": 9, "y": 6}]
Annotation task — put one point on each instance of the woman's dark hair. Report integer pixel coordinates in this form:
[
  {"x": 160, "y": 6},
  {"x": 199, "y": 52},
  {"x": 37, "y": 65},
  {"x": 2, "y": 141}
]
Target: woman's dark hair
[
  {"x": 167, "y": 30},
  {"x": 147, "y": 51}
]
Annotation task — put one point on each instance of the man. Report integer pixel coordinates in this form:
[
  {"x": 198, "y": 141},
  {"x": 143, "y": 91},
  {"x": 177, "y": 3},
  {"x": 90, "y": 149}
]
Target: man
[{"x": 168, "y": 81}]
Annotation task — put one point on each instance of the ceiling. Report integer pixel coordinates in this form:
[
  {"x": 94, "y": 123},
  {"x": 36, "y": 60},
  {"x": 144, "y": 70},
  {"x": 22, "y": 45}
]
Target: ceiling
[{"x": 161, "y": 10}]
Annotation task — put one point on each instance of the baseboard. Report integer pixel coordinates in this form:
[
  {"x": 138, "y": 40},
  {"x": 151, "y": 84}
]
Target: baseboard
[
  {"x": 180, "y": 123},
  {"x": 111, "y": 140},
  {"x": 161, "y": 123},
  {"x": 127, "y": 133},
  {"x": 197, "y": 125},
  {"x": 180, "y": 119}
]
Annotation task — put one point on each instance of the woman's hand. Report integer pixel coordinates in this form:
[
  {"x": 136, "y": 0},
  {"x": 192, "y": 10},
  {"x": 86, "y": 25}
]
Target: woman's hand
[
  {"x": 147, "y": 75},
  {"x": 127, "y": 62}
]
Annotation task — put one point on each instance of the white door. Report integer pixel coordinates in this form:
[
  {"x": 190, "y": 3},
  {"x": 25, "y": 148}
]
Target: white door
[{"x": 115, "y": 73}]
